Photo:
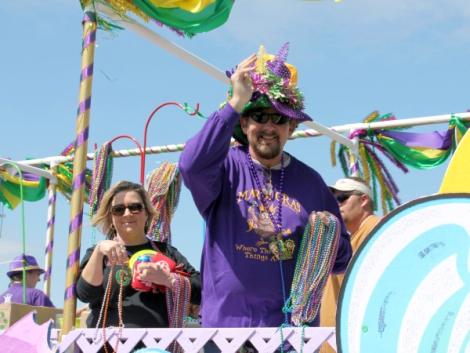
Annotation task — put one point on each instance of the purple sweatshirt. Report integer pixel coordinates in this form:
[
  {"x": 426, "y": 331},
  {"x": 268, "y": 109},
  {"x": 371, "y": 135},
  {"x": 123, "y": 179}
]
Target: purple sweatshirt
[
  {"x": 34, "y": 296},
  {"x": 242, "y": 282}
]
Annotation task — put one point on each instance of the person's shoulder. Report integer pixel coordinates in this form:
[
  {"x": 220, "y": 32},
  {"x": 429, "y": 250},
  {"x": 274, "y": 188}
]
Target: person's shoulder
[
  {"x": 162, "y": 246},
  {"x": 40, "y": 298},
  {"x": 37, "y": 293},
  {"x": 2, "y": 295},
  {"x": 237, "y": 151},
  {"x": 236, "y": 155},
  {"x": 167, "y": 249},
  {"x": 305, "y": 169},
  {"x": 373, "y": 219}
]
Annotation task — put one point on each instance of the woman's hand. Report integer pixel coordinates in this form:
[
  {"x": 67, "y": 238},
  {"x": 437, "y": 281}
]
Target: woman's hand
[
  {"x": 155, "y": 272},
  {"x": 242, "y": 87},
  {"x": 114, "y": 251}
]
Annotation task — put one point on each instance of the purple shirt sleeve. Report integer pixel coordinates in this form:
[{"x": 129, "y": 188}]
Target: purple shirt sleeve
[{"x": 201, "y": 162}]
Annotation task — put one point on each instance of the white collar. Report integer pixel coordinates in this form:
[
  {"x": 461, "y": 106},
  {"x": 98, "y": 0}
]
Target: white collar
[{"x": 278, "y": 166}]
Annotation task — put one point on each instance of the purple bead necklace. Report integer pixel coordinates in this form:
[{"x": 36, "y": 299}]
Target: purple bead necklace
[{"x": 278, "y": 222}]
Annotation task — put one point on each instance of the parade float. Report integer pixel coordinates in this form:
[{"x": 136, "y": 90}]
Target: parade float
[{"x": 406, "y": 290}]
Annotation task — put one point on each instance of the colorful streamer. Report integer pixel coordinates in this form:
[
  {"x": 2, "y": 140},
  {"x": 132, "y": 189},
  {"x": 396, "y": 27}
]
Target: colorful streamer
[
  {"x": 34, "y": 188},
  {"x": 187, "y": 17},
  {"x": 64, "y": 174},
  {"x": 423, "y": 150},
  {"x": 403, "y": 149}
]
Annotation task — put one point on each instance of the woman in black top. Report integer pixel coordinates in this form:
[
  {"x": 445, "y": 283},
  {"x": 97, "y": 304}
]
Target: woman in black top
[{"x": 124, "y": 215}]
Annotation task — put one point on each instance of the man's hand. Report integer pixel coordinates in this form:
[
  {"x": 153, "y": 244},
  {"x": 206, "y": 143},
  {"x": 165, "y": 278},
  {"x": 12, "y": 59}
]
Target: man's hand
[
  {"x": 241, "y": 83},
  {"x": 324, "y": 217}
]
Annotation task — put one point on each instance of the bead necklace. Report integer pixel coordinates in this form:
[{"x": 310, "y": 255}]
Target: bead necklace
[
  {"x": 281, "y": 249},
  {"x": 314, "y": 264},
  {"x": 278, "y": 222},
  {"x": 104, "y": 310},
  {"x": 177, "y": 302},
  {"x": 164, "y": 187}
]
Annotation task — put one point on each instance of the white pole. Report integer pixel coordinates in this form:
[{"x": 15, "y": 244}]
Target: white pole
[
  {"x": 202, "y": 65},
  {"x": 427, "y": 120},
  {"x": 49, "y": 248},
  {"x": 437, "y": 119},
  {"x": 171, "y": 47},
  {"x": 28, "y": 168},
  {"x": 323, "y": 130}
]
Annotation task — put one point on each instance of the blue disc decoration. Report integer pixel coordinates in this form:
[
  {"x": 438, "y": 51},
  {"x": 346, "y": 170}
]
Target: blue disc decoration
[{"x": 407, "y": 289}]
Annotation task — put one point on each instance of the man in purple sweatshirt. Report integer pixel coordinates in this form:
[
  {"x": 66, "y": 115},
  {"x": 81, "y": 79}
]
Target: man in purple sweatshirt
[
  {"x": 32, "y": 272},
  {"x": 255, "y": 198}
]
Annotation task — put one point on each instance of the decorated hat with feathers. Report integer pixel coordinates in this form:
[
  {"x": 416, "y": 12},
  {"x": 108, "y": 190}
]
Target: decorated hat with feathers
[{"x": 275, "y": 86}]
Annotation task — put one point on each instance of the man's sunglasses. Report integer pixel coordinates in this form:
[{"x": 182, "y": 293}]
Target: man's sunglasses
[
  {"x": 119, "y": 210},
  {"x": 343, "y": 196},
  {"x": 262, "y": 117}
]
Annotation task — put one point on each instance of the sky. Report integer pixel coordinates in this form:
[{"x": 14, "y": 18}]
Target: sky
[{"x": 404, "y": 57}]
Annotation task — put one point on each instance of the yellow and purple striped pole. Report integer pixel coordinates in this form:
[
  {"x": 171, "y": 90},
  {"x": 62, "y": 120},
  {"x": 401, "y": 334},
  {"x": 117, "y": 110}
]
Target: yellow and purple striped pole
[
  {"x": 51, "y": 202},
  {"x": 79, "y": 167}
]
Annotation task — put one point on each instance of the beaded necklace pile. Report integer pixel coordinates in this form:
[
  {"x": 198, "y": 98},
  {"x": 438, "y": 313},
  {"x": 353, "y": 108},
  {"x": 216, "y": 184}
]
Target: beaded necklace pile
[
  {"x": 315, "y": 262},
  {"x": 281, "y": 249},
  {"x": 164, "y": 187},
  {"x": 102, "y": 175}
]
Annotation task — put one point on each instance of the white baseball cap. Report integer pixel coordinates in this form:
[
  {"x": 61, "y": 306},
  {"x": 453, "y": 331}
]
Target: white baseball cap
[{"x": 348, "y": 184}]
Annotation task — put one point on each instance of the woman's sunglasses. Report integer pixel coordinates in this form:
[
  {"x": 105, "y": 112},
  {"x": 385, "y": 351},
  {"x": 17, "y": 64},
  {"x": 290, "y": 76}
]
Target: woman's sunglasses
[
  {"x": 262, "y": 117},
  {"x": 119, "y": 210}
]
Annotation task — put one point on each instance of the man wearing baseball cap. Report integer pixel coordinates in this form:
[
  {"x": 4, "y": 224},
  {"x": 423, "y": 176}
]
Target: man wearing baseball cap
[
  {"x": 356, "y": 205},
  {"x": 14, "y": 293}
]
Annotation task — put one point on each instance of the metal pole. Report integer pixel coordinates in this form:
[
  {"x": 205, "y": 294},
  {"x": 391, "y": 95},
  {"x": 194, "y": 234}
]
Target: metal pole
[
  {"x": 51, "y": 202},
  {"x": 429, "y": 120},
  {"x": 79, "y": 167}
]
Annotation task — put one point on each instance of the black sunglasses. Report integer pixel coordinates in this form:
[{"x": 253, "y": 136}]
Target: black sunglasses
[
  {"x": 341, "y": 197},
  {"x": 119, "y": 210},
  {"x": 262, "y": 117}
]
